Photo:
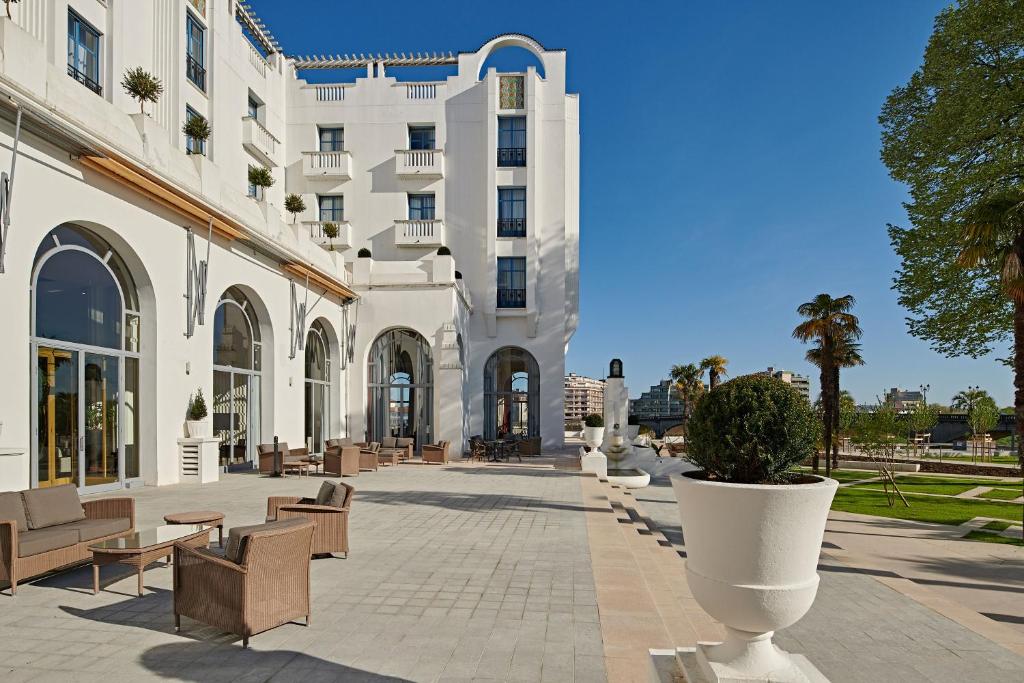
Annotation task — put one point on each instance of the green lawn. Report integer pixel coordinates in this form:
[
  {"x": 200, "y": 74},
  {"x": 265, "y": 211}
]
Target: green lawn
[
  {"x": 997, "y": 526},
  {"x": 999, "y": 459},
  {"x": 843, "y": 476},
  {"x": 1002, "y": 494},
  {"x": 858, "y": 500},
  {"x": 948, "y": 486},
  {"x": 993, "y": 538}
]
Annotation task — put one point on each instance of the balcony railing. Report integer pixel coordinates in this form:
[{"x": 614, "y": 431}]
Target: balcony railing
[
  {"x": 259, "y": 141},
  {"x": 511, "y": 156},
  {"x": 257, "y": 60},
  {"x": 327, "y": 164},
  {"x": 195, "y": 72},
  {"x": 419, "y": 163},
  {"x": 317, "y": 235},
  {"x": 85, "y": 80},
  {"x": 419, "y": 233},
  {"x": 511, "y": 298},
  {"x": 511, "y": 227}
]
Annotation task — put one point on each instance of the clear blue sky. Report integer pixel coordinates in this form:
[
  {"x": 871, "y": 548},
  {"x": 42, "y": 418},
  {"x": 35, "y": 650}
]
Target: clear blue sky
[{"x": 730, "y": 170}]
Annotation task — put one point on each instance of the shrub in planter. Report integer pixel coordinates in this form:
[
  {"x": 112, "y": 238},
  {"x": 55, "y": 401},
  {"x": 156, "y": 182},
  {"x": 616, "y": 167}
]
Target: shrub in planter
[
  {"x": 294, "y": 205},
  {"x": 260, "y": 176},
  {"x": 364, "y": 253},
  {"x": 593, "y": 431},
  {"x": 753, "y": 431},
  {"x": 753, "y": 529},
  {"x": 196, "y": 415},
  {"x": 444, "y": 251},
  {"x": 330, "y": 230},
  {"x": 142, "y": 86},
  {"x": 197, "y": 128},
  {"x": 594, "y": 420}
]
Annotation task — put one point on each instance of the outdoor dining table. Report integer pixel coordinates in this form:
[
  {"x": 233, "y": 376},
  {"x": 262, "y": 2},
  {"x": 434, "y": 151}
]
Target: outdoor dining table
[{"x": 500, "y": 449}]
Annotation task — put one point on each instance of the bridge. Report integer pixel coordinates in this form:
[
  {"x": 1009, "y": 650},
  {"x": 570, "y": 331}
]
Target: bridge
[{"x": 950, "y": 427}]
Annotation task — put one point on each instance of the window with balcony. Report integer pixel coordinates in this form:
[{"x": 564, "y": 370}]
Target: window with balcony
[
  {"x": 512, "y": 141},
  {"x": 511, "y": 212},
  {"x": 255, "y": 191},
  {"x": 332, "y": 208},
  {"x": 422, "y": 137},
  {"x": 84, "y": 53},
  {"x": 195, "y": 46},
  {"x": 252, "y": 108},
  {"x": 193, "y": 145},
  {"x": 421, "y": 207},
  {"x": 332, "y": 139},
  {"x": 512, "y": 282}
]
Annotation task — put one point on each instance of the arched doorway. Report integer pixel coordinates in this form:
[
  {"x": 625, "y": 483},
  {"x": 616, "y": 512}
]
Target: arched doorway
[
  {"x": 237, "y": 375},
  {"x": 86, "y": 324},
  {"x": 400, "y": 387},
  {"x": 318, "y": 388},
  {"x": 511, "y": 394}
]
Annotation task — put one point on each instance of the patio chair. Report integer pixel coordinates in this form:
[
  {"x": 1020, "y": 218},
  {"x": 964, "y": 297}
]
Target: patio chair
[
  {"x": 262, "y": 581},
  {"x": 368, "y": 456},
  {"x": 330, "y": 510},
  {"x": 477, "y": 448},
  {"x": 530, "y": 446},
  {"x": 437, "y": 455},
  {"x": 341, "y": 461},
  {"x": 288, "y": 455}
]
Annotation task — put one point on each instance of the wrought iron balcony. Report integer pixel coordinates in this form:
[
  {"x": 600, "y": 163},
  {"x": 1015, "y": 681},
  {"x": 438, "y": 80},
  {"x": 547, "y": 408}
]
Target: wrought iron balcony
[
  {"x": 85, "y": 80},
  {"x": 511, "y": 156},
  {"x": 511, "y": 298},
  {"x": 195, "y": 72},
  {"x": 511, "y": 227}
]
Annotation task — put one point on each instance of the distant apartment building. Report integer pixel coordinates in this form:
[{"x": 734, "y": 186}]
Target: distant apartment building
[
  {"x": 583, "y": 396},
  {"x": 661, "y": 400},
  {"x": 799, "y": 382},
  {"x": 903, "y": 399}
]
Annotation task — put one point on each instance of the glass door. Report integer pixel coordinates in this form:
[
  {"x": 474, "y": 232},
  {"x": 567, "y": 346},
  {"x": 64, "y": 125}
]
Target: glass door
[
  {"x": 100, "y": 392},
  {"x": 58, "y": 425},
  {"x": 235, "y": 395}
]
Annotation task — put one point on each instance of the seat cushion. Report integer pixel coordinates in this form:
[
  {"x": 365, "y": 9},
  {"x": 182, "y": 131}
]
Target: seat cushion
[
  {"x": 339, "y": 499},
  {"x": 388, "y": 442},
  {"x": 13, "y": 507},
  {"x": 403, "y": 442},
  {"x": 239, "y": 535},
  {"x": 35, "y": 541},
  {"x": 52, "y": 506},
  {"x": 323, "y": 496},
  {"x": 88, "y": 529}
]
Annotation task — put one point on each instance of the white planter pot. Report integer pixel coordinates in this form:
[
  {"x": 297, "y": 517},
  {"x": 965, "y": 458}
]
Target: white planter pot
[
  {"x": 751, "y": 563},
  {"x": 593, "y": 436},
  {"x": 198, "y": 428}
]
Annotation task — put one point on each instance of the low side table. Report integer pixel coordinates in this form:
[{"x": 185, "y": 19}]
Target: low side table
[
  {"x": 207, "y": 517},
  {"x": 143, "y": 547}
]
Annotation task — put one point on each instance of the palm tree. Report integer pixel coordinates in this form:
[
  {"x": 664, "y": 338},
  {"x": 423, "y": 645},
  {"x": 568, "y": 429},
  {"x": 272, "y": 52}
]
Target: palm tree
[
  {"x": 828, "y": 321},
  {"x": 968, "y": 398},
  {"x": 715, "y": 365},
  {"x": 846, "y": 355},
  {"x": 688, "y": 383}
]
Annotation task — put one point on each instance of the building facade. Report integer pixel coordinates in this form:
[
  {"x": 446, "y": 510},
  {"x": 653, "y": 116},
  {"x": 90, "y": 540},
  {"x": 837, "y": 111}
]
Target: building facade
[
  {"x": 583, "y": 396},
  {"x": 904, "y": 399},
  {"x": 661, "y": 400},
  {"x": 799, "y": 382},
  {"x": 428, "y": 289}
]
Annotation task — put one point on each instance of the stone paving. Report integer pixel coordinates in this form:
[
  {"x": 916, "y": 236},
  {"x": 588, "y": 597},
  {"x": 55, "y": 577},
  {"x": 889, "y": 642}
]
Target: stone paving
[
  {"x": 456, "y": 573},
  {"x": 860, "y": 629}
]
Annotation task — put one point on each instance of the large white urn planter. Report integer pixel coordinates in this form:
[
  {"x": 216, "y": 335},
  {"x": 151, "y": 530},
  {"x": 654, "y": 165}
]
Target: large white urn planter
[
  {"x": 751, "y": 563},
  {"x": 198, "y": 428},
  {"x": 593, "y": 436}
]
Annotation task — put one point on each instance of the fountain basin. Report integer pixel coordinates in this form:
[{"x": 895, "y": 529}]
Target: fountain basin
[{"x": 628, "y": 478}]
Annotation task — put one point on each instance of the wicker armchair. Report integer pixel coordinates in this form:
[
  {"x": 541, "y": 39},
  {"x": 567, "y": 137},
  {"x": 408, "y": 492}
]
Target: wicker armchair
[
  {"x": 266, "y": 455},
  {"x": 436, "y": 455},
  {"x": 331, "y": 520},
  {"x": 342, "y": 461},
  {"x": 368, "y": 456},
  {"x": 267, "y": 588}
]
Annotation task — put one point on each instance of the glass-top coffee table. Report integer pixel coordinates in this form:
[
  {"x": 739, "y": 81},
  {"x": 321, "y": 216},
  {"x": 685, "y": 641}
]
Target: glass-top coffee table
[{"x": 144, "y": 547}]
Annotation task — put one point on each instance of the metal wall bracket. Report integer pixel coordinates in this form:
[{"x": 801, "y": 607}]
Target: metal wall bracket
[
  {"x": 7, "y": 191},
  {"x": 195, "y": 282},
  {"x": 298, "y": 319}
]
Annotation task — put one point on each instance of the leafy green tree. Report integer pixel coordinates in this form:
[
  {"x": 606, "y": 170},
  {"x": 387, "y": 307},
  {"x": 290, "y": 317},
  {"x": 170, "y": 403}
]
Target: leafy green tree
[
  {"x": 294, "y": 205},
  {"x": 952, "y": 134},
  {"x": 880, "y": 432},
  {"x": 715, "y": 366},
  {"x": 921, "y": 418},
  {"x": 982, "y": 417},
  {"x": 142, "y": 86},
  {"x": 829, "y": 322},
  {"x": 689, "y": 385},
  {"x": 965, "y": 400}
]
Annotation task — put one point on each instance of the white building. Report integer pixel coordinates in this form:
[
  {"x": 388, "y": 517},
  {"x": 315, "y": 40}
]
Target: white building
[
  {"x": 108, "y": 328},
  {"x": 583, "y": 396}
]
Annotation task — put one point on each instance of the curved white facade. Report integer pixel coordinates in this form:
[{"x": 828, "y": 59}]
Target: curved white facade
[{"x": 89, "y": 159}]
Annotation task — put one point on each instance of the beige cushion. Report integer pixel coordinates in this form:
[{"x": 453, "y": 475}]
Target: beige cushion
[
  {"x": 239, "y": 536},
  {"x": 338, "y": 499},
  {"x": 388, "y": 442},
  {"x": 88, "y": 529},
  {"x": 403, "y": 442},
  {"x": 324, "y": 495},
  {"x": 51, "y": 506},
  {"x": 374, "y": 446},
  {"x": 12, "y": 507},
  {"x": 334, "y": 443},
  {"x": 36, "y": 541}
]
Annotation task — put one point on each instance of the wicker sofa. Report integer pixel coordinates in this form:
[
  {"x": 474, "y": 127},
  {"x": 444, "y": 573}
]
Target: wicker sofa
[
  {"x": 261, "y": 582},
  {"x": 329, "y": 510},
  {"x": 401, "y": 447},
  {"x": 288, "y": 455},
  {"x": 435, "y": 454},
  {"x": 51, "y": 528}
]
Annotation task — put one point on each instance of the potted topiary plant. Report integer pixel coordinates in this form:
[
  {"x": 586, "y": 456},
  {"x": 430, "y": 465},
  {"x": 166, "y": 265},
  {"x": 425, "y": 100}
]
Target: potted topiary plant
[
  {"x": 753, "y": 526},
  {"x": 293, "y": 204},
  {"x": 364, "y": 253},
  {"x": 260, "y": 178},
  {"x": 593, "y": 430},
  {"x": 197, "y": 130},
  {"x": 142, "y": 86},
  {"x": 196, "y": 418}
]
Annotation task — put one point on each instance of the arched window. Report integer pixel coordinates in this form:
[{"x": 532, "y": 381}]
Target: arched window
[
  {"x": 237, "y": 361},
  {"x": 511, "y": 394},
  {"x": 401, "y": 383},
  {"x": 86, "y": 327},
  {"x": 318, "y": 387}
]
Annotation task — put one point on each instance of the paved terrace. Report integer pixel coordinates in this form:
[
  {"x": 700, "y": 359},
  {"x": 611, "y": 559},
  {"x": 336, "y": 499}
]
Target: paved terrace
[{"x": 469, "y": 572}]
